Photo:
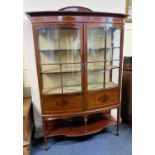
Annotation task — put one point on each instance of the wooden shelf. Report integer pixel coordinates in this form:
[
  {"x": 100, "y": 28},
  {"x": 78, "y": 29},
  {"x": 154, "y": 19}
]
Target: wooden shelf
[
  {"x": 78, "y": 62},
  {"x": 64, "y": 70},
  {"x": 76, "y": 127},
  {"x": 101, "y": 85},
  {"x": 73, "y": 70},
  {"x": 78, "y": 88},
  {"x": 66, "y": 89},
  {"x": 95, "y": 49},
  {"x": 56, "y": 50}
]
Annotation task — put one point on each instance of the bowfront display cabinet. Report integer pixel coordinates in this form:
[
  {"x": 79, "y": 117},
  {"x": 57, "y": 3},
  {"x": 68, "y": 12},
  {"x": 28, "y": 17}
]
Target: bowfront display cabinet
[{"x": 79, "y": 66}]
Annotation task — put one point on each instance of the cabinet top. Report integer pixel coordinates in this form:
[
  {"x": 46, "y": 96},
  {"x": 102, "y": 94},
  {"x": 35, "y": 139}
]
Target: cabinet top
[{"x": 74, "y": 11}]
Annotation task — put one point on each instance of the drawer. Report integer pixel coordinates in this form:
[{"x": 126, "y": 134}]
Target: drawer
[
  {"x": 103, "y": 98},
  {"x": 51, "y": 104},
  {"x": 72, "y": 102}
]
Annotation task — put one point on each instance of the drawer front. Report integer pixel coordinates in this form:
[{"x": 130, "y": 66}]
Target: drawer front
[
  {"x": 51, "y": 104},
  {"x": 103, "y": 98},
  {"x": 72, "y": 103}
]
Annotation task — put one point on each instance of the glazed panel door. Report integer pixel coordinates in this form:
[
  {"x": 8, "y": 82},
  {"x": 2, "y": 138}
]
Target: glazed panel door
[
  {"x": 60, "y": 61},
  {"x": 102, "y": 63}
]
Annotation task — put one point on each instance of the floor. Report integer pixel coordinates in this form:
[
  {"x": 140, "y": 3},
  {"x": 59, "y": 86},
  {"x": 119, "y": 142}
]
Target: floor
[{"x": 102, "y": 143}]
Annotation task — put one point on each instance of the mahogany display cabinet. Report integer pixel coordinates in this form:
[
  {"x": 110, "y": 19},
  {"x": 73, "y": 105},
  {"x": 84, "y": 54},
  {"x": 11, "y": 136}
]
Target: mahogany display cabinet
[{"x": 79, "y": 67}]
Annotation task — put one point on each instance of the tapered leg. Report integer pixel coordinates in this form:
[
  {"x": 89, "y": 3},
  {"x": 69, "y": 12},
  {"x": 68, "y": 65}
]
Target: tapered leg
[
  {"x": 45, "y": 138},
  {"x": 45, "y": 143},
  {"x": 85, "y": 123},
  {"x": 118, "y": 121}
]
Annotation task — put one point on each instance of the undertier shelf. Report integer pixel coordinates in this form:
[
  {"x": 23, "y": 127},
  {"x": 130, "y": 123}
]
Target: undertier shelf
[{"x": 77, "y": 127}]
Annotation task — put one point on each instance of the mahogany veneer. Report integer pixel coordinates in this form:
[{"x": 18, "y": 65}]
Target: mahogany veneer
[{"x": 79, "y": 67}]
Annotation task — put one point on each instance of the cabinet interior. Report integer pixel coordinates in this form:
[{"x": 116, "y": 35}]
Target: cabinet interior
[{"x": 61, "y": 64}]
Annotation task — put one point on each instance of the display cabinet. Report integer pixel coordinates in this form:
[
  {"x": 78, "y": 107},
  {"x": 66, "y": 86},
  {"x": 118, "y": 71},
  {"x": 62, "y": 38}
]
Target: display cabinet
[{"x": 79, "y": 67}]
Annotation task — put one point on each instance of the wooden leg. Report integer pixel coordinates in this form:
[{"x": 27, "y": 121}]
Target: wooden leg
[
  {"x": 118, "y": 121},
  {"x": 45, "y": 143},
  {"x": 85, "y": 123},
  {"x": 44, "y": 130}
]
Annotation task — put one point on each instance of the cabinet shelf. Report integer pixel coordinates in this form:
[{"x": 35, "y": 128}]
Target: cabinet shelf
[
  {"x": 77, "y": 88},
  {"x": 96, "y": 49},
  {"x": 93, "y": 49},
  {"x": 101, "y": 85},
  {"x": 58, "y": 90},
  {"x": 56, "y": 50},
  {"x": 73, "y": 70},
  {"x": 75, "y": 126},
  {"x": 65, "y": 63}
]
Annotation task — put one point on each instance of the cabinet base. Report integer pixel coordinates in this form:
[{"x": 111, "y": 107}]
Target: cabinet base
[{"x": 78, "y": 126}]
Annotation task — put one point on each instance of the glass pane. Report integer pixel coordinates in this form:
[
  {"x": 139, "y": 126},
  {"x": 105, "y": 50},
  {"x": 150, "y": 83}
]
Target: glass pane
[
  {"x": 95, "y": 76},
  {"x": 96, "y": 44},
  {"x": 112, "y": 78},
  {"x": 50, "y": 68},
  {"x": 117, "y": 37},
  {"x": 48, "y": 39},
  {"x": 113, "y": 37},
  {"x": 69, "y": 45},
  {"x": 116, "y": 54},
  {"x": 71, "y": 78},
  {"x": 71, "y": 67},
  {"x": 113, "y": 43},
  {"x": 48, "y": 45},
  {"x": 51, "y": 83},
  {"x": 49, "y": 57},
  {"x": 109, "y": 54},
  {"x": 95, "y": 66},
  {"x": 112, "y": 64}
]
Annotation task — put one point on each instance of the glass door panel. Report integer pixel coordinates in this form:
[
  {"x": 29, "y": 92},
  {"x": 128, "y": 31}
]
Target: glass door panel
[
  {"x": 70, "y": 48},
  {"x": 95, "y": 76},
  {"x": 48, "y": 45},
  {"x": 112, "y": 78},
  {"x": 112, "y": 56},
  {"x": 51, "y": 83},
  {"x": 95, "y": 44},
  {"x": 70, "y": 44},
  {"x": 48, "y": 38},
  {"x": 71, "y": 78},
  {"x": 113, "y": 43},
  {"x": 49, "y": 56},
  {"x": 95, "y": 56},
  {"x": 60, "y": 58},
  {"x": 103, "y": 56}
]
